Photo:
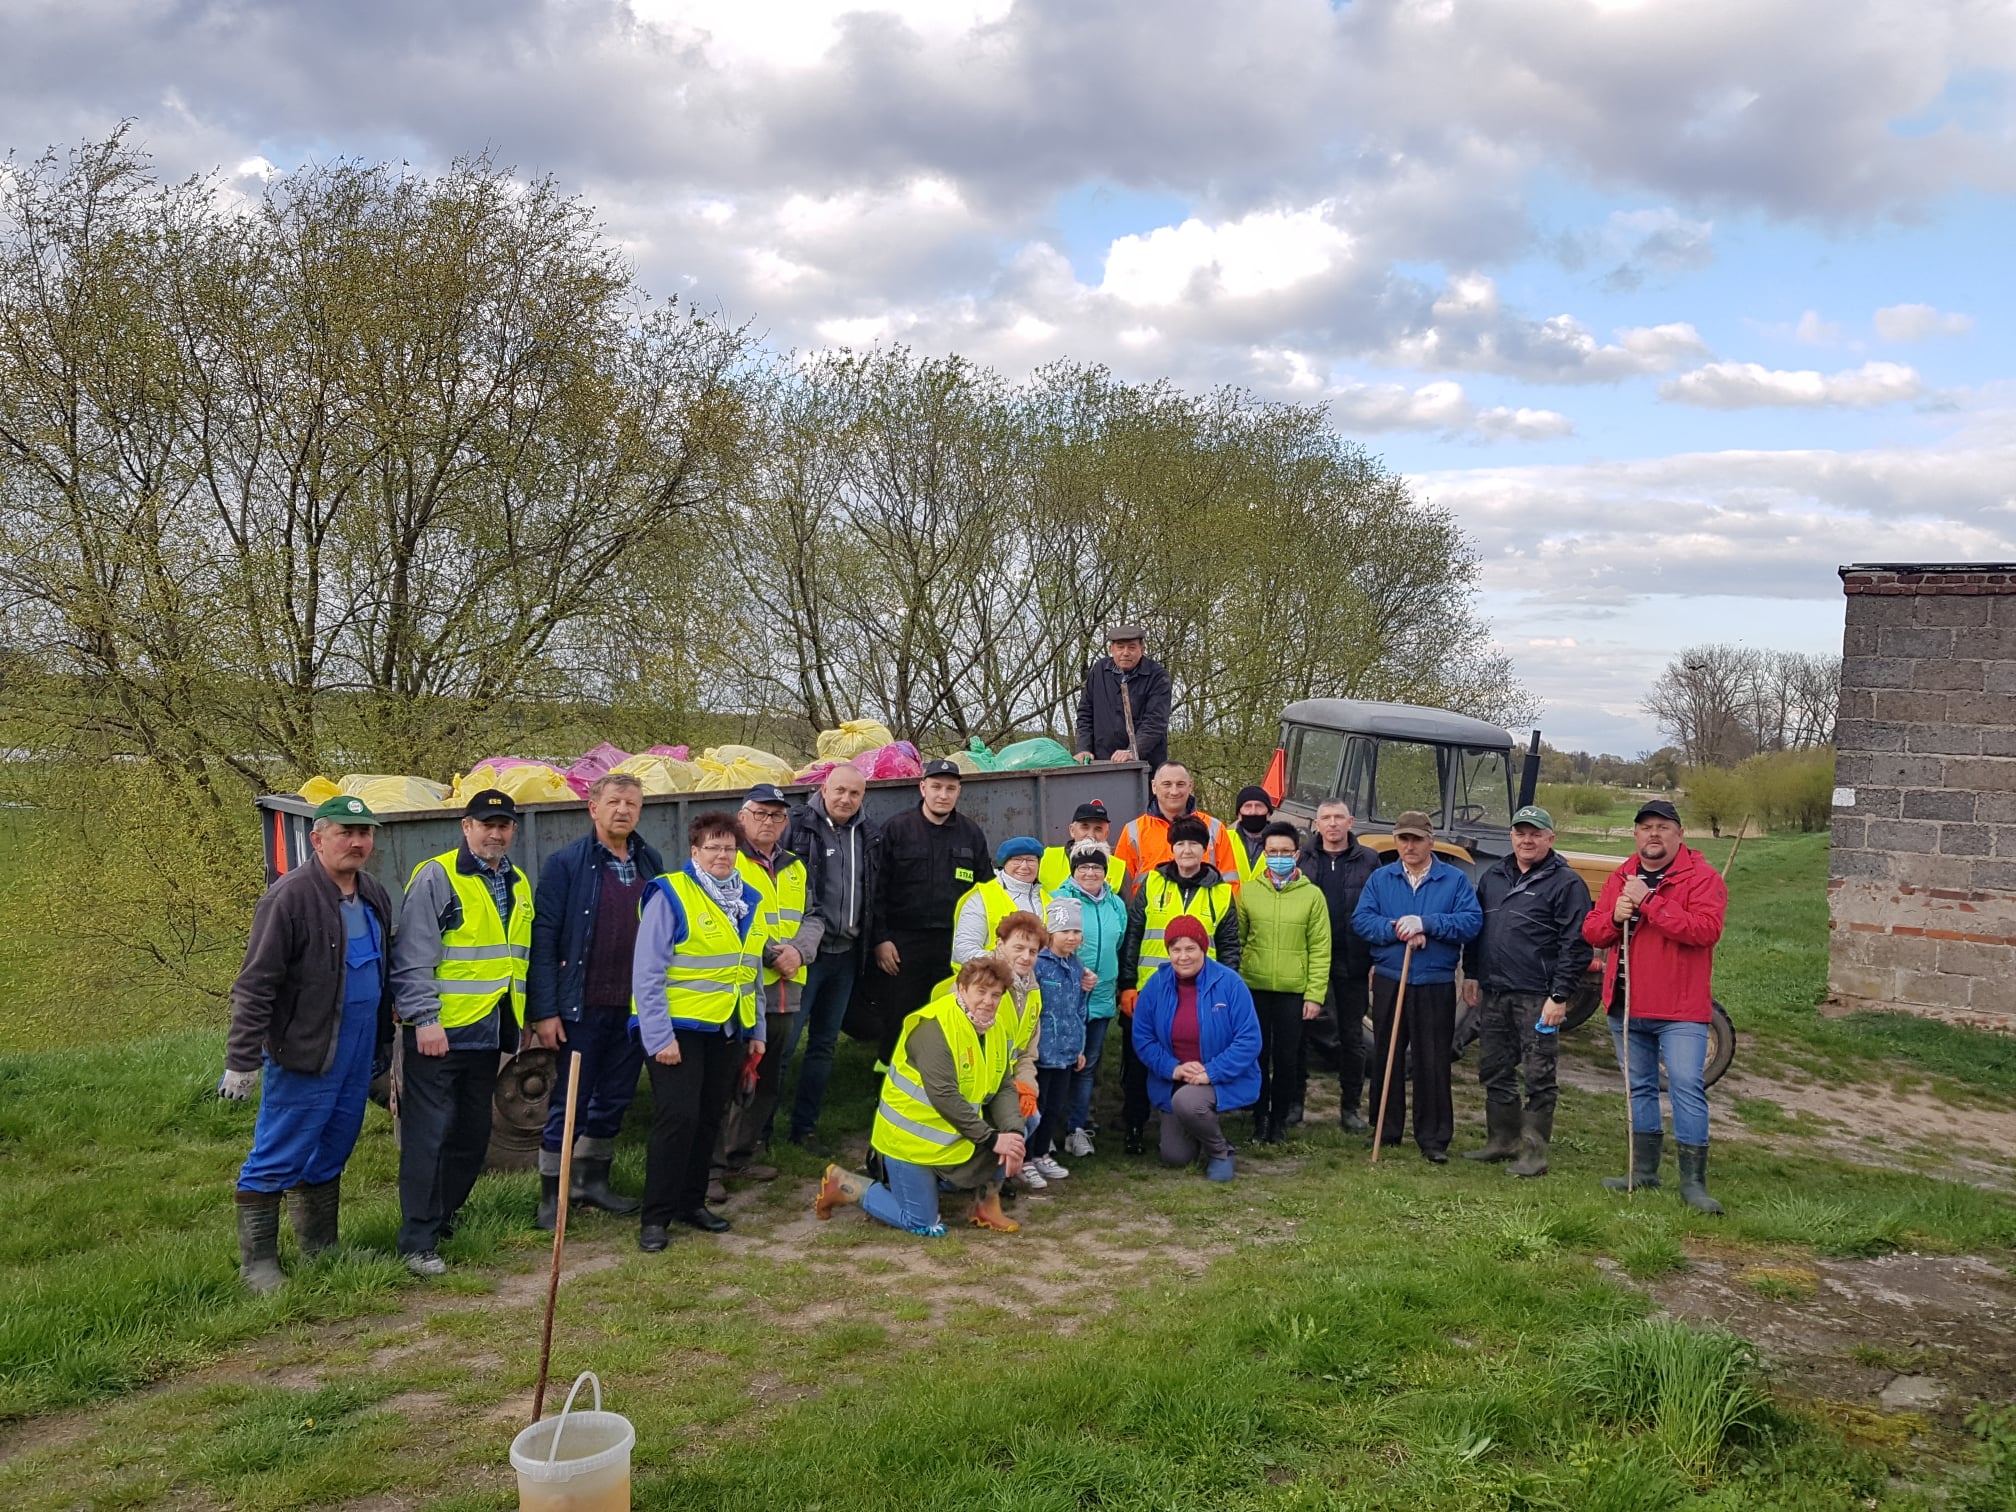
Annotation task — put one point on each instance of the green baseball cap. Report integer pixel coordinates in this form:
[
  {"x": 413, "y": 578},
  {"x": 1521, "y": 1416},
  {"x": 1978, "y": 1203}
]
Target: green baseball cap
[
  {"x": 1534, "y": 815},
  {"x": 343, "y": 809}
]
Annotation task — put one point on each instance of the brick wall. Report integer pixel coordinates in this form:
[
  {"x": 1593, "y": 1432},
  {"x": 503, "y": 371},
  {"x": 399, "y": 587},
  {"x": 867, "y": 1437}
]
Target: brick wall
[{"x": 1922, "y": 877}]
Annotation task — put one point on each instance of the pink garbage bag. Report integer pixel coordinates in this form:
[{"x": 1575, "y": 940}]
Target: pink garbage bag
[
  {"x": 595, "y": 763},
  {"x": 677, "y": 753},
  {"x": 898, "y": 759},
  {"x": 815, "y": 774}
]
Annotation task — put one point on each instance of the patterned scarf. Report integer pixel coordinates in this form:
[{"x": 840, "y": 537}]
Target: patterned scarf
[{"x": 726, "y": 891}]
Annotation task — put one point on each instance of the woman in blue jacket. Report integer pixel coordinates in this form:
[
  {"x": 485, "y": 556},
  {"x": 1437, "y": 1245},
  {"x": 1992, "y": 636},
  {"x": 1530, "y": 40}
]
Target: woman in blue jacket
[
  {"x": 1423, "y": 899},
  {"x": 1199, "y": 1039}
]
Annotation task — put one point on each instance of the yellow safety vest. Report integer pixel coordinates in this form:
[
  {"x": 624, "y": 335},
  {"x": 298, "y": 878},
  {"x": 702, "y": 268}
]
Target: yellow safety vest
[
  {"x": 1165, "y": 905},
  {"x": 481, "y": 958},
  {"x": 1054, "y": 870},
  {"x": 785, "y": 899},
  {"x": 994, "y": 898},
  {"x": 1019, "y": 1025},
  {"x": 1252, "y": 868},
  {"x": 714, "y": 970},
  {"x": 907, "y": 1126}
]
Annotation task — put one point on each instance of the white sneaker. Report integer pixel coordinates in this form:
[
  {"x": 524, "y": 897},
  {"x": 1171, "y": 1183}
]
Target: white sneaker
[
  {"x": 1047, "y": 1165},
  {"x": 1077, "y": 1144},
  {"x": 426, "y": 1263},
  {"x": 1031, "y": 1177}
]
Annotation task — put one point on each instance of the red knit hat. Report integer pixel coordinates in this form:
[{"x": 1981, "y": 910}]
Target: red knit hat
[{"x": 1186, "y": 927}]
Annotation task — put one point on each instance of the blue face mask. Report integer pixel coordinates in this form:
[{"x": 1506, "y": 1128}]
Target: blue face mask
[{"x": 1280, "y": 865}]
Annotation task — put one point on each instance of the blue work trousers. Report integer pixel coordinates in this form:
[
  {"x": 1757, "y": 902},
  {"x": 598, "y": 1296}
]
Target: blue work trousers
[
  {"x": 907, "y": 1197},
  {"x": 1084, "y": 1082},
  {"x": 610, "y": 1057},
  {"x": 1683, "y": 1048},
  {"x": 308, "y": 1125},
  {"x": 822, "y": 1008}
]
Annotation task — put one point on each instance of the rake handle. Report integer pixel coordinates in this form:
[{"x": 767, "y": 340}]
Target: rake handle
[
  {"x": 1392, "y": 1046},
  {"x": 559, "y": 1233}
]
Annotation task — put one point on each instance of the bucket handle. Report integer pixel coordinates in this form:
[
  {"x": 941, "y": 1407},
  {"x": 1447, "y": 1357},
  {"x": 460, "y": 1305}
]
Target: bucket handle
[{"x": 560, "y": 1427}]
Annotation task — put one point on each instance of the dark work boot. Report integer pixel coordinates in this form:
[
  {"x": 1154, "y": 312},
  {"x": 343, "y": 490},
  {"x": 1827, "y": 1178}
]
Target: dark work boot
[
  {"x": 259, "y": 1241},
  {"x": 313, "y": 1210},
  {"x": 1646, "y": 1149},
  {"x": 1501, "y": 1123},
  {"x": 592, "y": 1189},
  {"x": 1294, "y": 1118},
  {"x": 1694, "y": 1179},
  {"x": 548, "y": 1216},
  {"x": 1533, "y": 1141}
]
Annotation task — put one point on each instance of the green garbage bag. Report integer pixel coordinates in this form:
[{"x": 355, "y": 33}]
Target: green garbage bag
[
  {"x": 1025, "y": 754},
  {"x": 983, "y": 759}
]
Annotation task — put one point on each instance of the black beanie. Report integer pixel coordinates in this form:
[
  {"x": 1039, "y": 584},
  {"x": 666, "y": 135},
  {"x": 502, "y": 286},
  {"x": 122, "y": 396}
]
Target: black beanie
[{"x": 1253, "y": 795}]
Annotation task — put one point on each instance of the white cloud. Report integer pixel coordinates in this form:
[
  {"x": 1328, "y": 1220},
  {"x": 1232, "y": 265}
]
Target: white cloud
[
  {"x": 1813, "y": 331},
  {"x": 1915, "y": 322},
  {"x": 1365, "y": 408},
  {"x": 1522, "y": 424},
  {"x": 1745, "y": 385},
  {"x": 1263, "y": 253}
]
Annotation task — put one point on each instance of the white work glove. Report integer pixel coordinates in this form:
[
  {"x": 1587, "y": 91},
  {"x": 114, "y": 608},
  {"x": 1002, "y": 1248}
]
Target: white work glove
[
  {"x": 236, "y": 1086},
  {"x": 1409, "y": 926}
]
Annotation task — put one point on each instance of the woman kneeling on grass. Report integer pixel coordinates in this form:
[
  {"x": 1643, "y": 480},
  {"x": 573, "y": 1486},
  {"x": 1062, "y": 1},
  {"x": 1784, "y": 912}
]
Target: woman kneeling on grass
[
  {"x": 1197, "y": 1034},
  {"x": 950, "y": 1118}
]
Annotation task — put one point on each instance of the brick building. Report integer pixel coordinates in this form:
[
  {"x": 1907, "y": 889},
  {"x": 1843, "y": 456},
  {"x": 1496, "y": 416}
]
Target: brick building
[{"x": 1922, "y": 877}]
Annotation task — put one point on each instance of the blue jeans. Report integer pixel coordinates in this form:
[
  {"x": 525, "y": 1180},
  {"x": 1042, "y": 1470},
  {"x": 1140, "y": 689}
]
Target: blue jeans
[
  {"x": 822, "y": 1007},
  {"x": 308, "y": 1125},
  {"x": 610, "y": 1056},
  {"x": 1684, "y": 1049},
  {"x": 909, "y": 1200},
  {"x": 1083, "y": 1082}
]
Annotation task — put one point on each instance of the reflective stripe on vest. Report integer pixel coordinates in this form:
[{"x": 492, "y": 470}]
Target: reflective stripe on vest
[
  {"x": 784, "y": 898},
  {"x": 907, "y": 1126},
  {"x": 994, "y": 898},
  {"x": 1165, "y": 905},
  {"x": 1018, "y": 1025},
  {"x": 1054, "y": 870},
  {"x": 482, "y": 958},
  {"x": 714, "y": 970},
  {"x": 1252, "y": 868}
]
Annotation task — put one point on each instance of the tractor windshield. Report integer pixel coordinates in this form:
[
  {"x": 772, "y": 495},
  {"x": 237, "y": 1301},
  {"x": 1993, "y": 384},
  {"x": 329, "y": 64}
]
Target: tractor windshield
[
  {"x": 1413, "y": 775},
  {"x": 1409, "y": 776},
  {"x": 1483, "y": 788}
]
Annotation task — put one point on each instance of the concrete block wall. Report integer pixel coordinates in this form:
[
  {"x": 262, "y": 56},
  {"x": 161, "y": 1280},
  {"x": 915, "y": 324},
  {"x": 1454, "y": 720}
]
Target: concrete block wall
[{"x": 1922, "y": 875}]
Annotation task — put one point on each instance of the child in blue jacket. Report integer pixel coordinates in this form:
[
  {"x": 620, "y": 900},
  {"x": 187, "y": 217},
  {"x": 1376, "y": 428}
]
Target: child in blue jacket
[{"x": 1066, "y": 984}]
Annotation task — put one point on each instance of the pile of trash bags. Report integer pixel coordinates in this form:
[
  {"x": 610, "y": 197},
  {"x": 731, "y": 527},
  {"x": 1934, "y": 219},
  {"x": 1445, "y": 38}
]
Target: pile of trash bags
[{"x": 665, "y": 769}]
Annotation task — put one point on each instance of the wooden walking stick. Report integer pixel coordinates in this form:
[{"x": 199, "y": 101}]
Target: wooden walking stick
[
  {"x": 559, "y": 1231},
  {"x": 1392, "y": 1045},
  {"x": 1630, "y": 1126},
  {"x": 1736, "y": 847}
]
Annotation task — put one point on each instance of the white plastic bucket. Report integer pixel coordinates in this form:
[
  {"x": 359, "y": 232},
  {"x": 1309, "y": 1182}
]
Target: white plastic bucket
[{"x": 576, "y": 1462}]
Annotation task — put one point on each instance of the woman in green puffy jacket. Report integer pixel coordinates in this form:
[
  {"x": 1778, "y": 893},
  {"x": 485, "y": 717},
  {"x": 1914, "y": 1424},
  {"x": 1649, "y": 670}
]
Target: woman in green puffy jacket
[{"x": 1284, "y": 932}]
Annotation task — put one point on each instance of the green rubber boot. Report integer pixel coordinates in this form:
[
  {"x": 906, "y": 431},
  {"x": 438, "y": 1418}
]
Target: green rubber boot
[
  {"x": 1646, "y": 1150},
  {"x": 1501, "y": 1125},
  {"x": 259, "y": 1241},
  {"x": 313, "y": 1210},
  {"x": 1694, "y": 1179},
  {"x": 1534, "y": 1137}
]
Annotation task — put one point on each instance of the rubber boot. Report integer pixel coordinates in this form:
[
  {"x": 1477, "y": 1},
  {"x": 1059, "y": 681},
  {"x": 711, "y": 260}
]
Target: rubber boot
[
  {"x": 313, "y": 1210},
  {"x": 1534, "y": 1137},
  {"x": 548, "y": 1216},
  {"x": 592, "y": 1189},
  {"x": 987, "y": 1212},
  {"x": 837, "y": 1188},
  {"x": 1501, "y": 1124},
  {"x": 259, "y": 1241},
  {"x": 1694, "y": 1179},
  {"x": 1646, "y": 1150}
]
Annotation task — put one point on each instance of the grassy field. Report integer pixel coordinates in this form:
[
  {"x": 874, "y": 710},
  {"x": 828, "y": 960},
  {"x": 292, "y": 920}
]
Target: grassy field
[{"x": 1319, "y": 1334}]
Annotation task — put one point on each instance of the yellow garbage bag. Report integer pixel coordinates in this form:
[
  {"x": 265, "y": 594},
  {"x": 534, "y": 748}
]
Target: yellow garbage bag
[
  {"x": 319, "y": 790},
  {"x": 965, "y": 762},
  {"x": 661, "y": 774},
  {"x": 392, "y": 795},
  {"x": 745, "y": 765},
  {"x": 526, "y": 782},
  {"x": 852, "y": 738}
]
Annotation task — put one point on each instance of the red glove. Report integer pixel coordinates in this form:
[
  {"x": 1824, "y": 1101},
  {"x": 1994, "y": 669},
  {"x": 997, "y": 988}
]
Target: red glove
[
  {"x": 1027, "y": 1095},
  {"x": 1127, "y": 997}
]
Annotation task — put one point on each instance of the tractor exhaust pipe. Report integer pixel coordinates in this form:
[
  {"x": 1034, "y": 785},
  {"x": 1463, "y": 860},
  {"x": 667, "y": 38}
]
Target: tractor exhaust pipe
[{"x": 1529, "y": 773}]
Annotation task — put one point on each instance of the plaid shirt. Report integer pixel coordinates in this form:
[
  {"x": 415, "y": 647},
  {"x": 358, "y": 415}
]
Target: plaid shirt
[{"x": 498, "y": 880}]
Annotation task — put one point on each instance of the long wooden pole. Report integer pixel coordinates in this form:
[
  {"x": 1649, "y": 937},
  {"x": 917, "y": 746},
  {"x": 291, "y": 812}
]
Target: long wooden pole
[
  {"x": 1392, "y": 1045},
  {"x": 559, "y": 1231},
  {"x": 1630, "y": 1127},
  {"x": 1735, "y": 848}
]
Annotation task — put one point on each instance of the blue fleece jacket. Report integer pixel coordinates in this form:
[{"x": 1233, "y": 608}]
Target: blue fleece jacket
[
  {"x": 1062, "y": 1040},
  {"x": 1450, "y": 915},
  {"x": 1228, "y": 1035},
  {"x": 1105, "y": 919}
]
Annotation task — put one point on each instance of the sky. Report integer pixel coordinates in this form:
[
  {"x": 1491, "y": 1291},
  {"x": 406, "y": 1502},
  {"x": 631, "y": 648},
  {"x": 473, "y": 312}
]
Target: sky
[{"x": 1677, "y": 306}]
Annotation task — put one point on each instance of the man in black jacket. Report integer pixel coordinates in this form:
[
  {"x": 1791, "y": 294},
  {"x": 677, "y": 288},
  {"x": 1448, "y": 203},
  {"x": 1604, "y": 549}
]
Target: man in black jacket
[
  {"x": 1337, "y": 862},
  {"x": 1123, "y": 713},
  {"x": 925, "y": 860},
  {"x": 1523, "y": 967},
  {"x": 311, "y": 1005},
  {"x": 837, "y": 842}
]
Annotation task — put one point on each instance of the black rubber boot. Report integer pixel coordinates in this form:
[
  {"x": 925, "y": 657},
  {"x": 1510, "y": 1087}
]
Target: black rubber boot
[
  {"x": 314, "y": 1210},
  {"x": 1646, "y": 1150},
  {"x": 1534, "y": 1138},
  {"x": 1294, "y": 1117},
  {"x": 1694, "y": 1179},
  {"x": 259, "y": 1241},
  {"x": 1501, "y": 1124},
  {"x": 548, "y": 1217},
  {"x": 592, "y": 1189}
]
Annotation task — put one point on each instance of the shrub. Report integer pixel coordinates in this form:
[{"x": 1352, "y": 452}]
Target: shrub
[{"x": 1716, "y": 797}]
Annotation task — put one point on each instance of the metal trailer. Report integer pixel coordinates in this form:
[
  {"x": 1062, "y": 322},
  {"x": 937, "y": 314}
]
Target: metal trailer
[{"x": 1005, "y": 804}]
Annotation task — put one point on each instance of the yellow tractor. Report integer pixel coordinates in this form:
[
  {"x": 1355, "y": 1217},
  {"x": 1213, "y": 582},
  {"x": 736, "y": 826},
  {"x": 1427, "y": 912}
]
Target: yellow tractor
[{"x": 1386, "y": 758}]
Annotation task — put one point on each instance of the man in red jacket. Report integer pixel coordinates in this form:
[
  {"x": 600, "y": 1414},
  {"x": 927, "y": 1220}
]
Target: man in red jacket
[{"x": 1674, "y": 902}]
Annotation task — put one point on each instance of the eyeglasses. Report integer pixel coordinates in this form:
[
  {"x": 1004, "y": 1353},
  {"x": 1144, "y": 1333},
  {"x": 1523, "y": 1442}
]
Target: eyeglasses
[{"x": 718, "y": 848}]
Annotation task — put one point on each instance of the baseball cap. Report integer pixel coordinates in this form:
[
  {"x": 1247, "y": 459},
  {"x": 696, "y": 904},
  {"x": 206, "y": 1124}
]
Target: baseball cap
[
  {"x": 766, "y": 792},
  {"x": 1091, "y": 813},
  {"x": 1656, "y": 808},
  {"x": 491, "y": 803},
  {"x": 944, "y": 766},
  {"x": 1414, "y": 823},
  {"x": 346, "y": 810},
  {"x": 1534, "y": 815}
]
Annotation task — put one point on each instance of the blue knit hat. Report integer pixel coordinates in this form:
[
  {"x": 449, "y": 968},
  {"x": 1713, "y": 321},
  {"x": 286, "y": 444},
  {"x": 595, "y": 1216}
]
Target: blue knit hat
[{"x": 1021, "y": 845}]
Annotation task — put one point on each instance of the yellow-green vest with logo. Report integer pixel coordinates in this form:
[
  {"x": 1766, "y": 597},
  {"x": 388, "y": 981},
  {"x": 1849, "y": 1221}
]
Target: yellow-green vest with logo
[
  {"x": 1020, "y": 1026},
  {"x": 785, "y": 899},
  {"x": 1252, "y": 868},
  {"x": 1054, "y": 870},
  {"x": 714, "y": 970},
  {"x": 482, "y": 958},
  {"x": 994, "y": 898},
  {"x": 1165, "y": 905},
  {"x": 907, "y": 1127}
]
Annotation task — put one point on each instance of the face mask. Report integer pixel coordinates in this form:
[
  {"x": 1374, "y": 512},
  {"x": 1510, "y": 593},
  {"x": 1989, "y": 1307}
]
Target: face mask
[
  {"x": 1254, "y": 823},
  {"x": 1280, "y": 865}
]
